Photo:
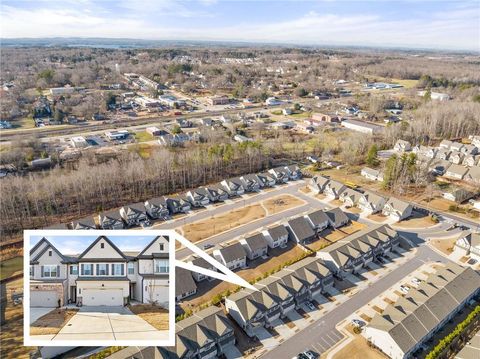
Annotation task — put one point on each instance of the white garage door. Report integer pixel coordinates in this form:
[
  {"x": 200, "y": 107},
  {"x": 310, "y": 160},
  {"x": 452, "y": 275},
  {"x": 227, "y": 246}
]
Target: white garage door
[
  {"x": 111, "y": 297},
  {"x": 43, "y": 298}
]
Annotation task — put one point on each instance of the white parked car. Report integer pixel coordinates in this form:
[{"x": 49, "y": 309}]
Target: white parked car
[
  {"x": 404, "y": 289},
  {"x": 357, "y": 323},
  {"x": 415, "y": 281}
]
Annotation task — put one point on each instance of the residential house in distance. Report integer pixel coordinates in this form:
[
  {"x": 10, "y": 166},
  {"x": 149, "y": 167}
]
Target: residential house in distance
[
  {"x": 337, "y": 218},
  {"x": 318, "y": 183},
  {"x": 355, "y": 251},
  {"x": 256, "y": 246},
  {"x": 268, "y": 180},
  {"x": 251, "y": 182},
  {"x": 280, "y": 174},
  {"x": 372, "y": 174},
  {"x": 276, "y": 236},
  {"x": 350, "y": 197},
  {"x": 404, "y": 326},
  {"x": 157, "y": 208},
  {"x": 445, "y": 144},
  {"x": 469, "y": 244},
  {"x": 471, "y": 160},
  {"x": 443, "y": 154},
  {"x": 397, "y": 209},
  {"x": 333, "y": 189},
  {"x": 208, "y": 333},
  {"x": 234, "y": 186},
  {"x": 177, "y": 205},
  {"x": 294, "y": 172},
  {"x": 457, "y": 146},
  {"x": 475, "y": 140},
  {"x": 218, "y": 100},
  {"x": 241, "y": 138},
  {"x": 200, "y": 262},
  {"x": 402, "y": 146},
  {"x": 300, "y": 230},
  {"x": 456, "y": 157},
  {"x": 198, "y": 197},
  {"x": 473, "y": 175},
  {"x": 469, "y": 149},
  {"x": 320, "y": 117},
  {"x": 456, "y": 172},
  {"x": 318, "y": 219},
  {"x": 102, "y": 275},
  {"x": 216, "y": 193},
  {"x": 371, "y": 202},
  {"x": 438, "y": 166},
  {"x": 458, "y": 195},
  {"x": 111, "y": 220},
  {"x": 134, "y": 214},
  {"x": 185, "y": 286},
  {"x": 84, "y": 223},
  {"x": 232, "y": 256}
]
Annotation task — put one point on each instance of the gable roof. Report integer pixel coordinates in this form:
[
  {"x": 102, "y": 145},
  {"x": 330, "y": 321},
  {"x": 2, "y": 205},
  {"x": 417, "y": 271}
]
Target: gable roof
[
  {"x": 39, "y": 243},
  {"x": 85, "y": 222},
  {"x": 257, "y": 241},
  {"x": 184, "y": 282},
  {"x": 337, "y": 216},
  {"x": 277, "y": 232},
  {"x": 157, "y": 202},
  {"x": 232, "y": 252},
  {"x": 398, "y": 205},
  {"x": 136, "y": 207},
  {"x": 301, "y": 228},
  {"x": 112, "y": 214},
  {"x": 167, "y": 238},
  {"x": 317, "y": 217},
  {"x": 108, "y": 241},
  {"x": 48, "y": 245}
]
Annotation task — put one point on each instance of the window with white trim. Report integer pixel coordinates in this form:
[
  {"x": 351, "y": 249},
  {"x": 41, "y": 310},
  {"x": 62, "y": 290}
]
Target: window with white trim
[
  {"x": 86, "y": 269},
  {"x": 74, "y": 269},
  {"x": 50, "y": 271},
  {"x": 131, "y": 268},
  {"x": 161, "y": 266},
  {"x": 102, "y": 269},
  {"x": 117, "y": 269}
]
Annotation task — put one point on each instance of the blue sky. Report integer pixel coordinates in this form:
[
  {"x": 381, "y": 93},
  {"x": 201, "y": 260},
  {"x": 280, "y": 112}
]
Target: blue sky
[
  {"x": 77, "y": 244},
  {"x": 420, "y": 24}
]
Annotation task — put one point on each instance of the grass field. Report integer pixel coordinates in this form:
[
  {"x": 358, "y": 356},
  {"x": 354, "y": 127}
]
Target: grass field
[
  {"x": 10, "y": 266},
  {"x": 143, "y": 136},
  {"x": 221, "y": 223}
]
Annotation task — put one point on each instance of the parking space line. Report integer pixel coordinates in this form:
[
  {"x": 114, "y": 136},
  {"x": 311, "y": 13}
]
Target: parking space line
[{"x": 318, "y": 350}]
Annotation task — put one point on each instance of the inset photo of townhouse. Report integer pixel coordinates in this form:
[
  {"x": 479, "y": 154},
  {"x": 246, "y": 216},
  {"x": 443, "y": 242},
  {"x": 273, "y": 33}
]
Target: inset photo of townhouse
[{"x": 99, "y": 288}]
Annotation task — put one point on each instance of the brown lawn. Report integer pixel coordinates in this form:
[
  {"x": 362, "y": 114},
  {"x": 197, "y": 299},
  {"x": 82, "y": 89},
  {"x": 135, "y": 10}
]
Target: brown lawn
[
  {"x": 416, "y": 221},
  {"x": 444, "y": 245},
  {"x": 52, "y": 322},
  {"x": 336, "y": 202},
  {"x": 377, "y": 217},
  {"x": 153, "y": 315},
  {"x": 11, "y": 334},
  {"x": 276, "y": 257},
  {"x": 358, "y": 348},
  {"x": 320, "y": 196},
  {"x": 281, "y": 203},
  {"x": 217, "y": 224},
  {"x": 352, "y": 227},
  {"x": 354, "y": 210},
  {"x": 365, "y": 317}
]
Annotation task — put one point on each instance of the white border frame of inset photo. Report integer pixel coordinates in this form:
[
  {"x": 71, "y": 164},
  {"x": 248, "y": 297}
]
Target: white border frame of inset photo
[{"x": 29, "y": 341}]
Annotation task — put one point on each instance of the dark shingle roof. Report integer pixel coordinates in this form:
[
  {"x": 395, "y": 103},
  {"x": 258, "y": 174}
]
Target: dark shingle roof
[{"x": 301, "y": 228}]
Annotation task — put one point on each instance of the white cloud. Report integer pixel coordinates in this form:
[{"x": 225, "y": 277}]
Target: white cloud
[{"x": 456, "y": 29}]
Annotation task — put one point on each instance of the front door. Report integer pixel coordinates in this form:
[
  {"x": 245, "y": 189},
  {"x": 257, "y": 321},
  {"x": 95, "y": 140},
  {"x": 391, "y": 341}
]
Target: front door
[{"x": 73, "y": 293}]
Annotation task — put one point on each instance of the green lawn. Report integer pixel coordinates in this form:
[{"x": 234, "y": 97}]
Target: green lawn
[
  {"x": 10, "y": 266},
  {"x": 143, "y": 136},
  {"x": 301, "y": 115}
]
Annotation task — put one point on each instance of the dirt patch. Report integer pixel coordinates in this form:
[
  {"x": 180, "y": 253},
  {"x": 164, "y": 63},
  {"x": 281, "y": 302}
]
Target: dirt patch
[
  {"x": 354, "y": 210},
  {"x": 365, "y": 317},
  {"x": 52, "y": 322},
  {"x": 332, "y": 235},
  {"x": 444, "y": 245},
  {"x": 318, "y": 244},
  {"x": 153, "y": 315},
  {"x": 289, "y": 323},
  {"x": 281, "y": 203},
  {"x": 217, "y": 224},
  {"x": 388, "y": 300},
  {"x": 358, "y": 348},
  {"x": 377, "y": 309}
]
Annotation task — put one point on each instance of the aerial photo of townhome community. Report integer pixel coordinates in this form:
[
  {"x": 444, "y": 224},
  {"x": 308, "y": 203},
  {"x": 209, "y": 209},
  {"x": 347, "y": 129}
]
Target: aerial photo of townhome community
[
  {"x": 325, "y": 152},
  {"x": 101, "y": 293}
]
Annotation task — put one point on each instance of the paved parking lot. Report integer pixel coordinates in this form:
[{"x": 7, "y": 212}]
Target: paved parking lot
[{"x": 108, "y": 323}]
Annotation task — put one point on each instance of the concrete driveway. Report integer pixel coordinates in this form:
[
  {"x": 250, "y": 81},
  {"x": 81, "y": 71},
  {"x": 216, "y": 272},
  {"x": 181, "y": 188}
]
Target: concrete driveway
[
  {"x": 36, "y": 313},
  {"x": 108, "y": 323}
]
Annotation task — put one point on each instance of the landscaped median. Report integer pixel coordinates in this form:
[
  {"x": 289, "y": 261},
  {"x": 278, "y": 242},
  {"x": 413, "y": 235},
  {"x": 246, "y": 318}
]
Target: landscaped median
[{"x": 52, "y": 322}]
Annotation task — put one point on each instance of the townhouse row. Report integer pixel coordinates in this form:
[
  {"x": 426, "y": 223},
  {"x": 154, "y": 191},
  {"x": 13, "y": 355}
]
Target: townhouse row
[
  {"x": 100, "y": 275},
  {"x": 367, "y": 201},
  {"x": 301, "y": 229},
  {"x": 404, "y": 326},
  {"x": 141, "y": 213}
]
